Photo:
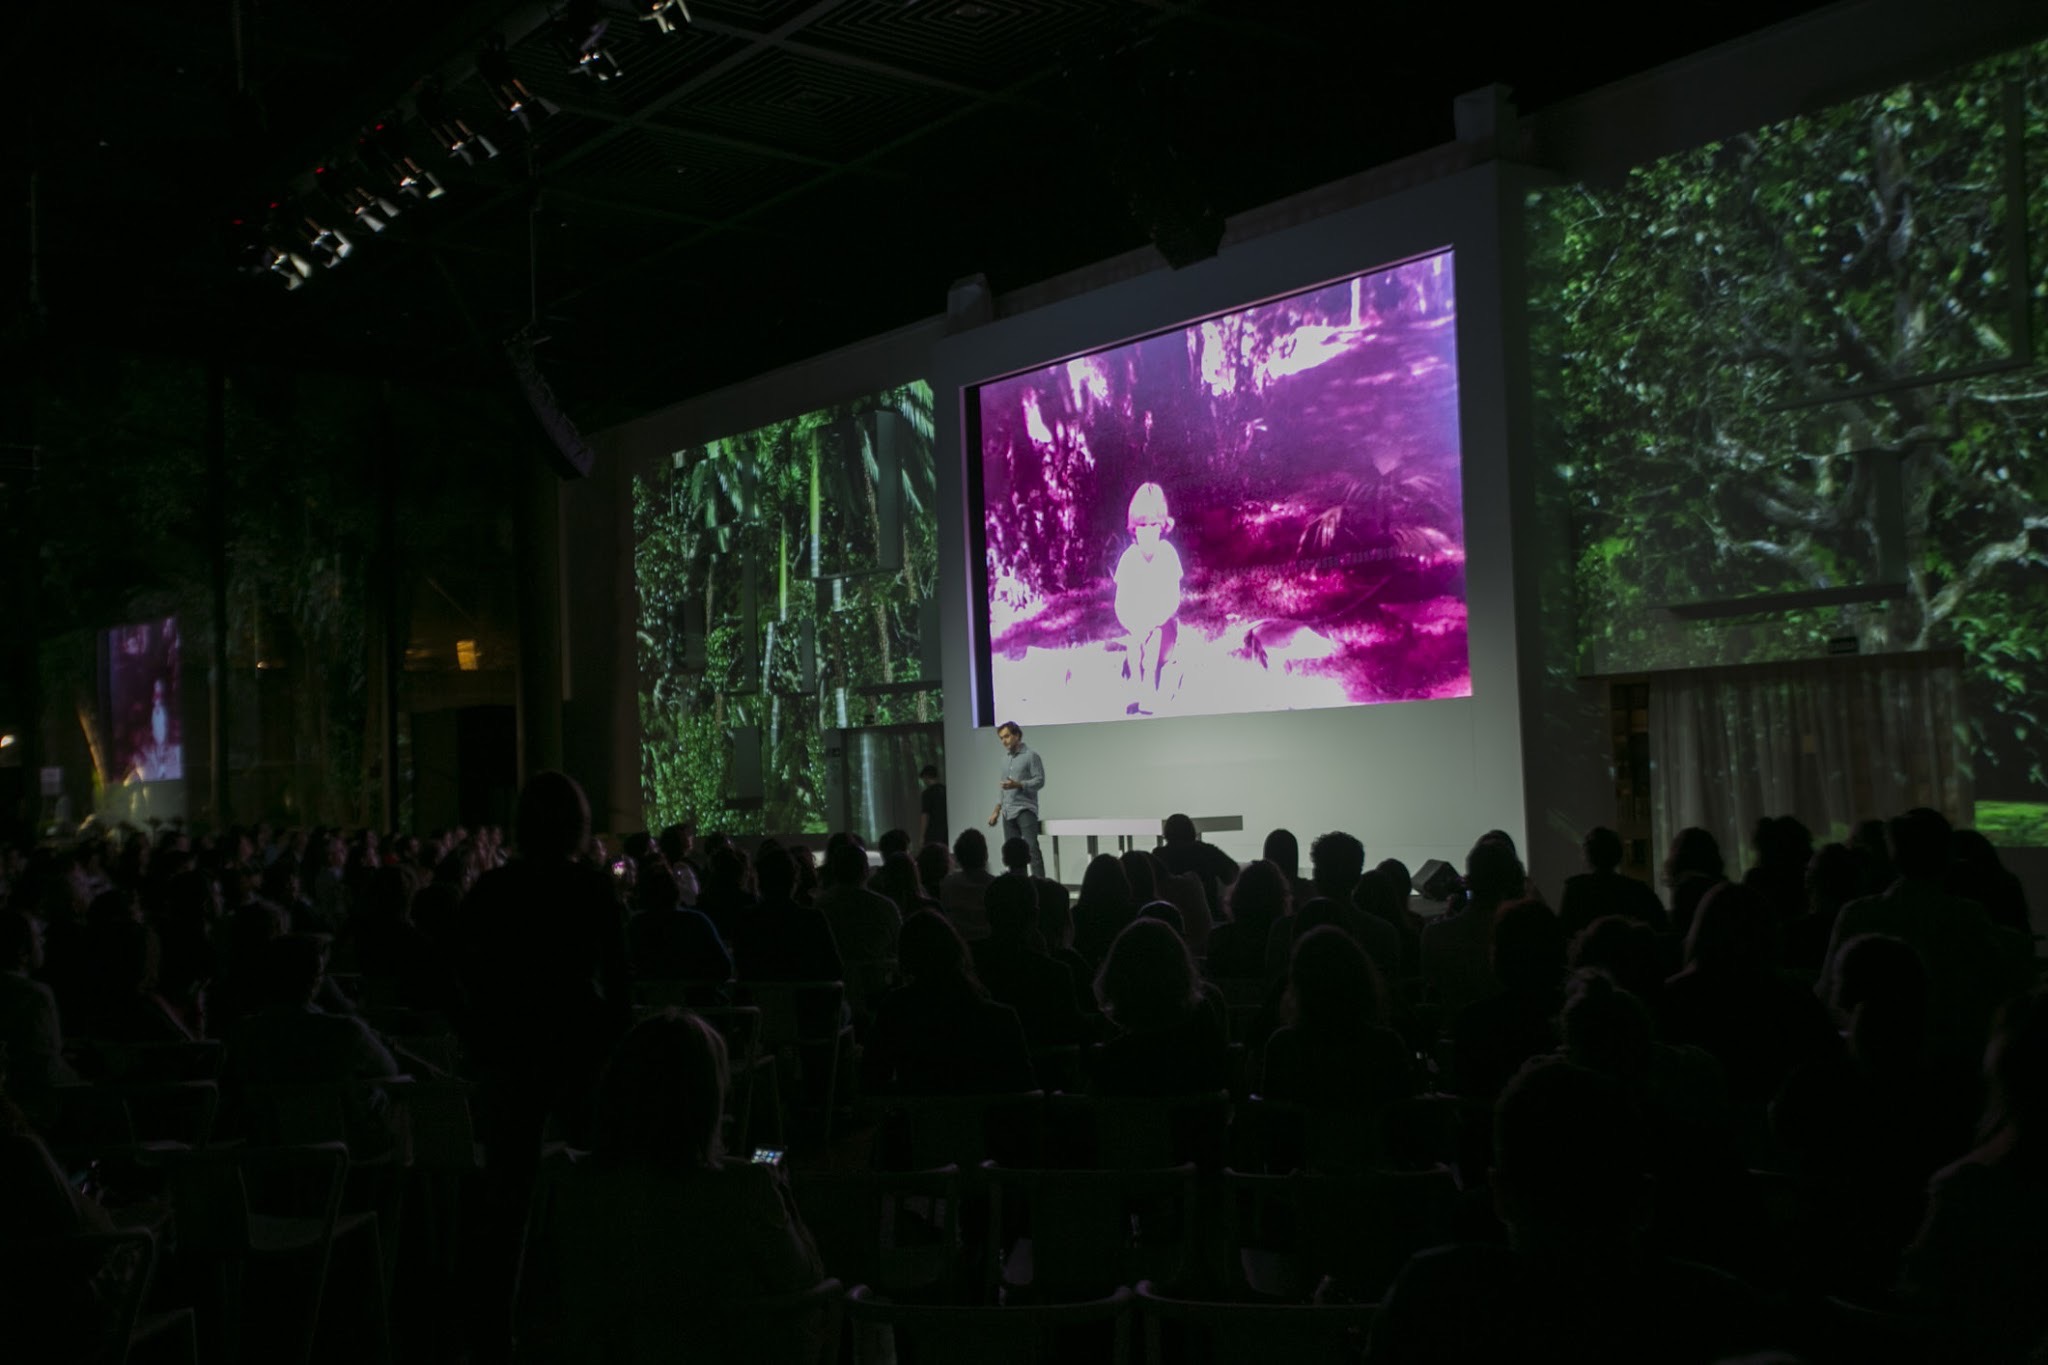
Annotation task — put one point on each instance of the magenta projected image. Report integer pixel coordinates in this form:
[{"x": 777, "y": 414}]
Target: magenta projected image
[
  {"x": 1258, "y": 512},
  {"x": 143, "y": 720}
]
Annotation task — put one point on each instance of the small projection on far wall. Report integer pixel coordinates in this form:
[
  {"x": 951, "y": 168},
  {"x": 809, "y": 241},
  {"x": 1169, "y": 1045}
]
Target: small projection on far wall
[
  {"x": 143, "y": 719},
  {"x": 1261, "y": 511}
]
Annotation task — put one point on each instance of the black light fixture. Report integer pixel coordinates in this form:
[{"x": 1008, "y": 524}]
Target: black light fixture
[
  {"x": 326, "y": 246},
  {"x": 383, "y": 149},
  {"x": 348, "y": 190},
  {"x": 264, "y": 248},
  {"x": 666, "y": 15},
  {"x": 506, "y": 88},
  {"x": 450, "y": 129},
  {"x": 580, "y": 34}
]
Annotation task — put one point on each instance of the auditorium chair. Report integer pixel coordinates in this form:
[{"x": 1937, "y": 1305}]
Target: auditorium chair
[
  {"x": 1037, "y": 1334},
  {"x": 923, "y": 1132},
  {"x": 1090, "y": 1132},
  {"x": 1190, "y": 1332},
  {"x": 1283, "y": 1235},
  {"x": 80, "y": 1299},
  {"x": 1061, "y": 1235},
  {"x": 898, "y": 1232}
]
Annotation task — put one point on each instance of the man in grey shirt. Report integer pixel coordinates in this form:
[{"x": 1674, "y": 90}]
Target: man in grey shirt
[{"x": 1023, "y": 775}]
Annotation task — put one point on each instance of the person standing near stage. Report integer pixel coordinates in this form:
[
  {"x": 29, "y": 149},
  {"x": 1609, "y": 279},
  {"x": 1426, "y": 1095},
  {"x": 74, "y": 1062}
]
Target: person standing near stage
[{"x": 1017, "y": 807}]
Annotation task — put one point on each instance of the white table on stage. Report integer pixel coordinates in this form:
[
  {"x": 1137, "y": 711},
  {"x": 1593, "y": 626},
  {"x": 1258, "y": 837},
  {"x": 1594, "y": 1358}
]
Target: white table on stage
[{"x": 1124, "y": 829}]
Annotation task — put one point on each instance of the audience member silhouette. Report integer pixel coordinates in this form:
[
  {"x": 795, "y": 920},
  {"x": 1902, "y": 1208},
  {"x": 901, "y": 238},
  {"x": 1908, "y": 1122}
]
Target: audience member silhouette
[
  {"x": 961, "y": 893},
  {"x": 1185, "y": 892},
  {"x": 727, "y": 897},
  {"x": 1261, "y": 898},
  {"x": 1283, "y": 850},
  {"x": 934, "y": 865},
  {"x": 1014, "y": 966},
  {"x": 864, "y": 924},
  {"x": 1870, "y": 1126},
  {"x": 1971, "y": 963},
  {"x": 1977, "y": 873},
  {"x": 1783, "y": 847},
  {"x": 1628, "y": 951},
  {"x": 1185, "y": 852},
  {"x": 1457, "y": 949},
  {"x": 1730, "y": 1000},
  {"x": 939, "y": 1033},
  {"x": 1168, "y": 1033},
  {"x": 1495, "y": 1035},
  {"x": 1103, "y": 908},
  {"x": 1692, "y": 868},
  {"x": 31, "y": 1033},
  {"x": 1979, "y": 1260},
  {"x": 1382, "y": 894},
  {"x": 656, "y": 1230},
  {"x": 1571, "y": 1185},
  {"x": 1333, "y": 1051},
  {"x": 666, "y": 940},
  {"x": 898, "y": 879},
  {"x": 544, "y": 969},
  {"x": 780, "y": 939},
  {"x": 1833, "y": 879},
  {"x": 1602, "y": 890},
  {"x": 1338, "y": 863}
]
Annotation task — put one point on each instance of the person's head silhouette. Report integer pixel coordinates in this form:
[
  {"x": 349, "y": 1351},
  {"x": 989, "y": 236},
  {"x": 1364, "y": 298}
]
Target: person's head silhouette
[
  {"x": 1569, "y": 1159},
  {"x": 554, "y": 818}
]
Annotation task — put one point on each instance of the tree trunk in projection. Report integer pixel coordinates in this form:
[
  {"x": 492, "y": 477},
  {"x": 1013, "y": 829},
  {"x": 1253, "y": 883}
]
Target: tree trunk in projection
[{"x": 216, "y": 436}]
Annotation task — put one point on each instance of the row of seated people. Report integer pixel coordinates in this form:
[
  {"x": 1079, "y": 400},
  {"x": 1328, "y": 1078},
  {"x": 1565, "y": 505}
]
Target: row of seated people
[{"x": 542, "y": 957}]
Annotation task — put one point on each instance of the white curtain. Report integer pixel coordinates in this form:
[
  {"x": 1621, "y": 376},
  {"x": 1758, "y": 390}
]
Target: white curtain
[{"x": 1831, "y": 741}]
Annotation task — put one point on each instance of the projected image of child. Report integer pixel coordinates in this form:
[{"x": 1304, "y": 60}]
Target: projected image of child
[
  {"x": 1148, "y": 592},
  {"x": 1258, "y": 511}
]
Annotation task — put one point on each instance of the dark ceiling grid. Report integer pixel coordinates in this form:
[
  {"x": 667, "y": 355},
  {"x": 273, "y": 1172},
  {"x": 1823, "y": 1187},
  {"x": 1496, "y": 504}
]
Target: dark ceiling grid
[
  {"x": 827, "y": 109},
  {"x": 762, "y": 16},
  {"x": 986, "y": 43},
  {"x": 705, "y": 177}
]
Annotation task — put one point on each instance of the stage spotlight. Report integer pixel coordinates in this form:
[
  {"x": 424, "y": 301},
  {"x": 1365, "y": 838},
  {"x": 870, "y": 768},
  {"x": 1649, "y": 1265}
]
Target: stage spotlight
[
  {"x": 372, "y": 210},
  {"x": 506, "y": 88},
  {"x": 666, "y": 15},
  {"x": 580, "y": 33}
]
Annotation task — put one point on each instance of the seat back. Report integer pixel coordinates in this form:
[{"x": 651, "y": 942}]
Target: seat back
[
  {"x": 898, "y": 1231},
  {"x": 1182, "y": 1330},
  {"x": 1288, "y": 1234},
  {"x": 1109, "y": 1133},
  {"x": 1040, "y": 1334},
  {"x": 740, "y": 1026},
  {"x": 803, "y": 1328},
  {"x": 796, "y": 1013},
  {"x": 74, "y": 1298},
  {"x": 923, "y": 1132},
  {"x": 368, "y": 1117},
  {"x": 198, "y": 1060},
  {"x": 680, "y": 993},
  {"x": 1068, "y": 1234},
  {"x": 135, "y": 1115},
  {"x": 216, "y": 1192}
]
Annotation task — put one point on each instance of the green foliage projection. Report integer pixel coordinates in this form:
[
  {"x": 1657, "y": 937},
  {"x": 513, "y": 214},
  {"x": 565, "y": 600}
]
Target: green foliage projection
[
  {"x": 798, "y": 504},
  {"x": 1728, "y": 345}
]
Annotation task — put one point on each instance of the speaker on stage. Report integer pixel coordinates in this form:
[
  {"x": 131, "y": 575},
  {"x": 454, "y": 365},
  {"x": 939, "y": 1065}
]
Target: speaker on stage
[{"x": 1437, "y": 880}]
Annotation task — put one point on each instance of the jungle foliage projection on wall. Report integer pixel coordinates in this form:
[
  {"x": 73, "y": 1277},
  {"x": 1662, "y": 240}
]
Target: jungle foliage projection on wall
[
  {"x": 1799, "y": 360},
  {"x": 780, "y": 578}
]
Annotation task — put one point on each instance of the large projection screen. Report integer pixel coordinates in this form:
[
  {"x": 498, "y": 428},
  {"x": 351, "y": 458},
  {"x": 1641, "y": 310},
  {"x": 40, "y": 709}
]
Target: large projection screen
[
  {"x": 1257, "y": 511},
  {"x": 145, "y": 727},
  {"x": 1416, "y": 779}
]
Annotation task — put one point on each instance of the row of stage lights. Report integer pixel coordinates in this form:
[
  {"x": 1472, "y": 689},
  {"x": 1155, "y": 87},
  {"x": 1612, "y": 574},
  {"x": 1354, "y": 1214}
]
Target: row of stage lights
[{"x": 316, "y": 226}]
